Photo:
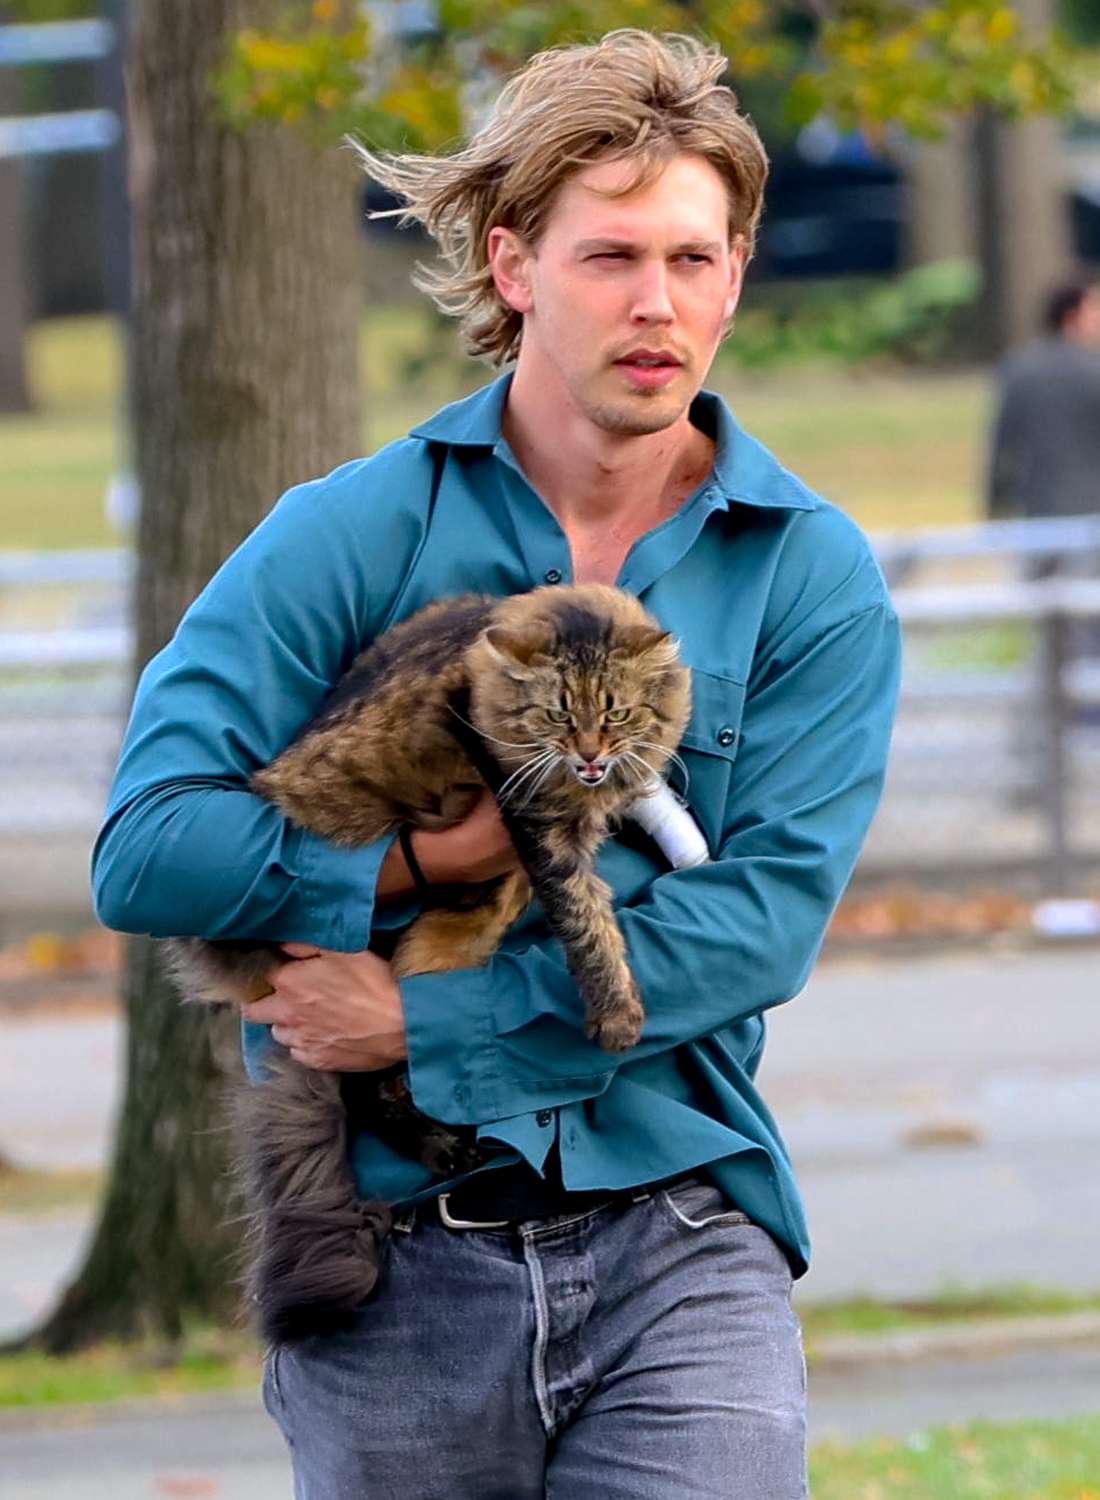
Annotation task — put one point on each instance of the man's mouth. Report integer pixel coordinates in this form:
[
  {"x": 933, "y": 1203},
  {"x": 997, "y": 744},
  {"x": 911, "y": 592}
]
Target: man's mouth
[
  {"x": 649, "y": 368},
  {"x": 645, "y": 359}
]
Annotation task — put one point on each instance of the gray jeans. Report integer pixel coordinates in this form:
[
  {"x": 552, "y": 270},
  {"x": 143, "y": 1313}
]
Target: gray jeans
[{"x": 638, "y": 1352}]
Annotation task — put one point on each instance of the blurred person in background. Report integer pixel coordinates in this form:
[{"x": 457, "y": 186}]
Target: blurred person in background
[
  {"x": 1045, "y": 451},
  {"x": 1045, "y": 458}
]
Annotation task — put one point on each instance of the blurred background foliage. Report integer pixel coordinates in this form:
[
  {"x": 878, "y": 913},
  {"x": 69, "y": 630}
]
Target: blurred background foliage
[{"x": 868, "y": 63}]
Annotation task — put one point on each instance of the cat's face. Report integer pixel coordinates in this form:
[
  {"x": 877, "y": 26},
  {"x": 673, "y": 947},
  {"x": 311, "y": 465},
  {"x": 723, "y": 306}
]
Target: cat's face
[{"x": 583, "y": 711}]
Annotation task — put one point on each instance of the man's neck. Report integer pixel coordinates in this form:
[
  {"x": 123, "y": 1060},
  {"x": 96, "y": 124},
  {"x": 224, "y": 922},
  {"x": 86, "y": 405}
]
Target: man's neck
[{"x": 593, "y": 479}]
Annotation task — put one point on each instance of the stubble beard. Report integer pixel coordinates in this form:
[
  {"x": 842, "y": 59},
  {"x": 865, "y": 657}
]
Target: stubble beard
[{"x": 635, "y": 414}]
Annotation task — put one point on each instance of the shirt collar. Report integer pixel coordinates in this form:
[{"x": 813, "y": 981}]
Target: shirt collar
[{"x": 745, "y": 473}]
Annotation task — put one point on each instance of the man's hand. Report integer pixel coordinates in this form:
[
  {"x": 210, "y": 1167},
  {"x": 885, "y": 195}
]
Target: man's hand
[
  {"x": 478, "y": 848},
  {"x": 338, "y": 1012}
]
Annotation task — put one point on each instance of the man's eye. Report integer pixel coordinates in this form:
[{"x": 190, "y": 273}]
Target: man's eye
[
  {"x": 558, "y": 716},
  {"x": 617, "y": 715}
]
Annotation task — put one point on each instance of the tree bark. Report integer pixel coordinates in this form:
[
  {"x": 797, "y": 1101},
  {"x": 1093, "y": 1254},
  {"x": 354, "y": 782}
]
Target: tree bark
[
  {"x": 939, "y": 221},
  {"x": 14, "y": 295},
  {"x": 1023, "y": 216},
  {"x": 244, "y": 381}
]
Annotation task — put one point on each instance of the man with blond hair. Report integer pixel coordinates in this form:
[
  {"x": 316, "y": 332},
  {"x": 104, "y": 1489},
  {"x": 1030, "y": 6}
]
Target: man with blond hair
[{"x": 605, "y": 1313}]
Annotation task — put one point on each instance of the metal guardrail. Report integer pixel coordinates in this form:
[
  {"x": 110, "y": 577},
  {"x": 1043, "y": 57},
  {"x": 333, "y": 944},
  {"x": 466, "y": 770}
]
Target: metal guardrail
[
  {"x": 1023, "y": 538},
  {"x": 55, "y": 41},
  {"x": 995, "y": 759},
  {"x": 1058, "y": 536},
  {"x": 111, "y": 565},
  {"x": 73, "y": 131}
]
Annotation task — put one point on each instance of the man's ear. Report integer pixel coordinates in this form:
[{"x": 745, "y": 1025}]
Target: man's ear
[
  {"x": 510, "y": 264},
  {"x": 738, "y": 257}
]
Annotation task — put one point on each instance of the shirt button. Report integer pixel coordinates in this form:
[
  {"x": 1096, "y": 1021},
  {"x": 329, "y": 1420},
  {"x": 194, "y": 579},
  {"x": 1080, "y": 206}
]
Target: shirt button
[
  {"x": 544, "y": 1117},
  {"x": 726, "y": 735},
  {"x": 553, "y": 575}
]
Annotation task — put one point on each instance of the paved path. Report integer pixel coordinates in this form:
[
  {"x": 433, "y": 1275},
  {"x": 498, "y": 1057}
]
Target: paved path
[
  {"x": 227, "y": 1449},
  {"x": 999, "y": 1051}
]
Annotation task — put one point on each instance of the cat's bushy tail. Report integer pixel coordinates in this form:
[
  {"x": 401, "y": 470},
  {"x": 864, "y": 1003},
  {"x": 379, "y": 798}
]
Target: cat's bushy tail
[{"x": 317, "y": 1244}]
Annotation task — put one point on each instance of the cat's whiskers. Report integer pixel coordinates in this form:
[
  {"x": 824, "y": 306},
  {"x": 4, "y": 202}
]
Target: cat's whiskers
[
  {"x": 512, "y": 744},
  {"x": 673, "y": 758},
  {"x": 646, "y": 775},
  {"x": 542, "y": 776},
  {"x": 523, "y": 765},
  {"x": 529, "y": 768},
  {"x": 532, "y": 763}
]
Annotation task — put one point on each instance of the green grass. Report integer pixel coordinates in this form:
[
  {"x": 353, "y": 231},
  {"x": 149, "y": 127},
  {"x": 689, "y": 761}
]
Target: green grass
[
  {"x": 895, "y": 451},
  {"x": 23, "y": 1191},
  {"x": 866, "y": 1315},
  {"x": 983, "y": 1461},
  {"x": 1016, "y": 1461},
  {"x": 115, "y": 1372}
]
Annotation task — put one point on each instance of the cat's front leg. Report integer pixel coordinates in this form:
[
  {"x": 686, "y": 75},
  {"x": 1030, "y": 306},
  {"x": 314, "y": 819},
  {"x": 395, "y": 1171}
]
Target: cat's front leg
[{"x": 559, "y": 860}]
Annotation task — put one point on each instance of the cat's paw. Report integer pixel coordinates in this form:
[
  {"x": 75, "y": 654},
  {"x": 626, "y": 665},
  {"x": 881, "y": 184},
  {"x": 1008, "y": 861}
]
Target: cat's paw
[{"x": 617, "y": 1030}]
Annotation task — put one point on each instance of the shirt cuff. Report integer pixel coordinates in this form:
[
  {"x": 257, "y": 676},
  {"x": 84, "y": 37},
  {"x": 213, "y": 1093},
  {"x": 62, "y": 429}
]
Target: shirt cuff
[{"x": 342, "y": 885}]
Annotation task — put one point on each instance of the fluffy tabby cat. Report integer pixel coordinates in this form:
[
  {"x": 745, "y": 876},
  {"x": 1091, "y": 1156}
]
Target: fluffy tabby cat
[{"x": 567, "y": 702}]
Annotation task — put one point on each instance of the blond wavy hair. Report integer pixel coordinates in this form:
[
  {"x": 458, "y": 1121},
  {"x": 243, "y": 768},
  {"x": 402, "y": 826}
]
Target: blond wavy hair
[{"x": 630, "y": 96}]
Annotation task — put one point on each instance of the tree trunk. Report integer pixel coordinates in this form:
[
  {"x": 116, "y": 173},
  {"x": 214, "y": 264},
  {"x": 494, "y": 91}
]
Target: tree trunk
[
  {"x": 14, "y": 295},
  {"x": 939, "y": 221},
  {"x": 244, "y": 381},
  {"x": 1023, "y": 215}
]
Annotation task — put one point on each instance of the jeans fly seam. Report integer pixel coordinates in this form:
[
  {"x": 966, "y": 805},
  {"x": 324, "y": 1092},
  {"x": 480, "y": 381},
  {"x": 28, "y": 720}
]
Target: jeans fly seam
[{"x": 542, "y": 1333}]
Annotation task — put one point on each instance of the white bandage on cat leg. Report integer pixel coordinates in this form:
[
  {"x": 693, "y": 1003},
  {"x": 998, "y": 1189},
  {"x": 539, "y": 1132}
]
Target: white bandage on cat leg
[{"x": 671, "y": 826}]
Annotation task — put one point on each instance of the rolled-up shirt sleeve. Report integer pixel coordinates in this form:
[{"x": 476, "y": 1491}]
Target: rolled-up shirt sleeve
[{"x": 708, "y": 946}]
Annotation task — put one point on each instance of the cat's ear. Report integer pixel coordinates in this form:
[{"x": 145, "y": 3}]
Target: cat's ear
[
  {"x": 514, "y": 651},
  {"x": 657, "y": 647}
]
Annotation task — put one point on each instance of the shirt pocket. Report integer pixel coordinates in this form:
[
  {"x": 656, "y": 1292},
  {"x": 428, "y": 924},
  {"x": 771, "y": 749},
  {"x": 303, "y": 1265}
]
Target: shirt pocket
[{"x": 709, "y": 749}]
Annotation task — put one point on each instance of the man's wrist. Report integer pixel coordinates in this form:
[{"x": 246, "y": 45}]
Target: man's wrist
[
  {"x": 432, "y": 850},
  {"x": 422, "y": 884}
]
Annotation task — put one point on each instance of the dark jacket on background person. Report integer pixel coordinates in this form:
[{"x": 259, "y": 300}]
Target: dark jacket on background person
[{"x": 1045, "y": 458}]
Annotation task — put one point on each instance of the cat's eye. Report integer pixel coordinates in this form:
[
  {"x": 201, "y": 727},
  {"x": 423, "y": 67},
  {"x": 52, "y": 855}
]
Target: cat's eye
[
  {"x": 558, "y": 716},
  {"x": 617, "y": 715}
]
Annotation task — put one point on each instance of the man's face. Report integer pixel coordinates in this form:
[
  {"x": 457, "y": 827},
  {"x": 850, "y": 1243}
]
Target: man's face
[{"x": 625, "y": 299}]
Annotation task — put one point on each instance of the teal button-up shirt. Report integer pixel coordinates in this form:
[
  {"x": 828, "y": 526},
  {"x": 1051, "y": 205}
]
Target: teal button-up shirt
[{"x": 784, "y": 619}]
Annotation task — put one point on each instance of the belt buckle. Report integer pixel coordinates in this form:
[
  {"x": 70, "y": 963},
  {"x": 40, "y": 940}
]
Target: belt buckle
[{"x": 453, "y": 1223}]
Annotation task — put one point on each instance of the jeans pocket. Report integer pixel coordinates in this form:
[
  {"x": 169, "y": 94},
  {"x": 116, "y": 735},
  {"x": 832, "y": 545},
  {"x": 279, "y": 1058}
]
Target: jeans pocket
[
  {"x": 698, "y": 1205},
  {"x": 269, "y": 1389}
]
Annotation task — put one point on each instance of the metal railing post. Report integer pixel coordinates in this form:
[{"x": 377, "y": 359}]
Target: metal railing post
[{"x": 1053, "y": 659}]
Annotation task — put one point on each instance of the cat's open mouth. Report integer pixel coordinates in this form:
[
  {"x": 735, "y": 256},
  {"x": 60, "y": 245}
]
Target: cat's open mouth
[{"x": 590, "y": 775}]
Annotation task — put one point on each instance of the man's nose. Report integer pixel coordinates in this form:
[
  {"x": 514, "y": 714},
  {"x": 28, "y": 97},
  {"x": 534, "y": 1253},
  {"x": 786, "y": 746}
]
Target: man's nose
[{"x": 652, "y": 303}]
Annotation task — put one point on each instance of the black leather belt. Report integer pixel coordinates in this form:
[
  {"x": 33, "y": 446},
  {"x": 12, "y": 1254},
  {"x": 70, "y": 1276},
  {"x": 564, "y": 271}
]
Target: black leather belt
[{"x": 510, "y": 1195}]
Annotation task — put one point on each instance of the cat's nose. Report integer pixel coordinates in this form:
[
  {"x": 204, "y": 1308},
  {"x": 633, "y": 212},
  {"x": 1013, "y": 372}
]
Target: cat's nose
[{"x": 589, "y": 751}]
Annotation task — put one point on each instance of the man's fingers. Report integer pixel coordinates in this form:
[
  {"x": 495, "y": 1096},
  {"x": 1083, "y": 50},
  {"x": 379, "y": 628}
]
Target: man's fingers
[
  {"x": 267, "y": 1012},
  {"x": 300, "y": 950}
]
